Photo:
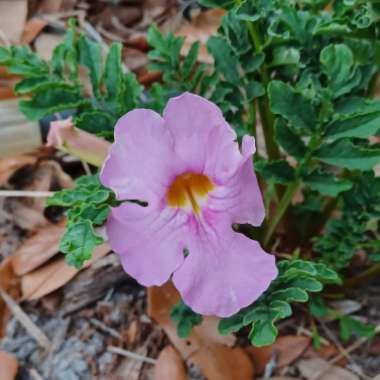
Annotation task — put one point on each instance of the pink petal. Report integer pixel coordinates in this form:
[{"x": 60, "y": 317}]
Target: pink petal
[
  {"x": 149, "y": 242},
  {"x": 202, "y": 137},
  {"x": 141, "y": 162},
  {"x": 224, "y": 271},
  {"x": 240, "y": 197}
]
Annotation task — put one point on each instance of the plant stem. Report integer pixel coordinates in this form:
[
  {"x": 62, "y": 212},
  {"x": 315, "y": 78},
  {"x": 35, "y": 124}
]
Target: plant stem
[
  {"x": 281, "y": 209},
  {"x": 362, "y": 277},
  {"x": 267, "y": 119}
]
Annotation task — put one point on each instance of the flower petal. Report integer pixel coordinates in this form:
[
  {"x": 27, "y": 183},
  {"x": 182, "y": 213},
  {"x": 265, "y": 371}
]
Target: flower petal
[
  {"x": 240, "y": 196},
  {"x": 149, "y": 242},
  {"x": 224, "y": 271},
  {"x": 202, "y": 137},
  {"x": 140, "y": 163}
]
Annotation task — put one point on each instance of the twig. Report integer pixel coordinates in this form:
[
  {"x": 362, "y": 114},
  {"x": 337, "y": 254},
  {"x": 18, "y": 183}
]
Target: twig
[
  {"x": 130, "y": 354},
  {"x": 25, "y": 194},
  {"x": 26, "y": 322},
  {"x": 108, "y": 330},
  {"x": 350, "y": 349},
  {"x": 34, "y": 374}
]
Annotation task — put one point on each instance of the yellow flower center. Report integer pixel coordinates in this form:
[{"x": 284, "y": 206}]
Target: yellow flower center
[{"x": 189, "y": 189}]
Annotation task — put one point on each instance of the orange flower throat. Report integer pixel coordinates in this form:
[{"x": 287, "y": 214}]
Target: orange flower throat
[{"x": 189, "y": 189}]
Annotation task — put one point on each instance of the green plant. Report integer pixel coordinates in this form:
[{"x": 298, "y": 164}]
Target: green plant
[{"x": 308, "y": 71}]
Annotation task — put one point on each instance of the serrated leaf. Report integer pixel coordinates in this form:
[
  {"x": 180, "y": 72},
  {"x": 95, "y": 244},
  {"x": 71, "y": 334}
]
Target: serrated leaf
[
  {"x": 290, "y": 295},
  {"x": 289, "y": 141},
  {"x": 283, "y": 308},
  {"x": 326, "y": 183},
  {"x": 278, "y": 171},
  {"x": 190, "y": 60},
  {"x": 90, "y": 56},
  {"x": 51, "y": 98},
  {"x": 113, "y": 71},
  {"x": 78, "y": 243},
  {"x": 357, "y": 117},
  {"x": 345, "y": 154},
  {"x": 232, "y": 324},
  {"x": 254, "y": 90},
  {"x": 291, "y": 105},
  {"x": 225, "y": 61},
  {"x": 30, "y": 84},
  {"x": 185, "y": 318},
  {"x": 338, "y": 63},
  {"x": 95, "y": 121},
  {"x": 306, "y": 283},
  {"x": 264, "y": 332}
]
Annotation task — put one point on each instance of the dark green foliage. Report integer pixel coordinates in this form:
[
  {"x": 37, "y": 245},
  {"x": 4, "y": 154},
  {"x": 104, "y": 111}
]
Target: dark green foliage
[
  {"x": 357, "y": 228},
  {"x": 296, "y": 280},
  {"x": 88, "y": 206},
  {"x": 54, "y": 86},
  {"x": 185, "y": 319}
]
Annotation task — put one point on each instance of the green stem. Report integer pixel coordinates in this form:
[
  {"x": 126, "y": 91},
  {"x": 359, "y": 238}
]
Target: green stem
[
  {"x": 281, "y": 209},
  {"x": 267, "y": 119},
  {"x": 373, "y": 83},
  {"x": 362, "y": 277}
]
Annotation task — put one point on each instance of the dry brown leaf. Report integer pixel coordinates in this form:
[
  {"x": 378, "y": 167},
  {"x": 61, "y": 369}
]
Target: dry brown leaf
[
  {"x": 288, "y": 348},
  {"x": 38, "y": 249},
  {"x": 54, "y": 275},
  {"x": 11, "y": 284},
  {"x": 8, "y": 166},
  {"x": 309, "y": 368},
  {"x": 200, "y": 29},
  {"x": 12, "y": 18},
  {"x": 324, "y": 352},
  {"x": 205, "y": 348},
  {"x": 170, "y": 365},
  {"x": 8, "y": 366},
  {"x": 32, "y": 29}
]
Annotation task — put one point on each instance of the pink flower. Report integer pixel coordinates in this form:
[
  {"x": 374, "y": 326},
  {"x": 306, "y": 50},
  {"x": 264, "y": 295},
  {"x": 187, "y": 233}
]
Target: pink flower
[{"x": 188, "y": 167}]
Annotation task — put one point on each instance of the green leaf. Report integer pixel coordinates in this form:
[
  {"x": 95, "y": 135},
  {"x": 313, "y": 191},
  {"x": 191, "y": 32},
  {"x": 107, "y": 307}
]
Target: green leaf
[
  {"x": 50, "y": 98},
  {"x": 95, "y": 121},
  {"x": 78, "y": 242},
  {"x": 309, "y": 284},
  {"x": 317, "y": 306},
  {"x": 113, "y": 71},
  {"x": 284, "y": 56},
  {"x": 263, "y": 331},
  {"x": 290, "y": 295},
  {"x": 254, "y": 90},
  {"x": 278, "y": 171},
  {"x": 357, "y": 117},
  {"x": 185, "y": 318},
  {"x": 291, "y": 105},
  {"x": 289, "y": 140},
  {"x": 232, "y": 324},
  {"x": 345, "y": 154},
  {"x": 338, "y": 64},
  {"x": 217, "y": 3},
  {"x": 90, "y": 56},
  {"x": 354, "y": 327},
  {"x": 326, "y": 183},
  {"x": 225, "y": 61},
  {"x": 190, "y": 60},
  {"x": 30, "y": 84},
  {"x": 5, "y": 55}
]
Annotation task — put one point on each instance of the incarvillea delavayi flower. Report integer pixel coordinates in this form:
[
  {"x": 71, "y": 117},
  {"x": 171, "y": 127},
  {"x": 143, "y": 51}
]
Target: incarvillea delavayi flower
[{"x": 188, "y": 168}]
